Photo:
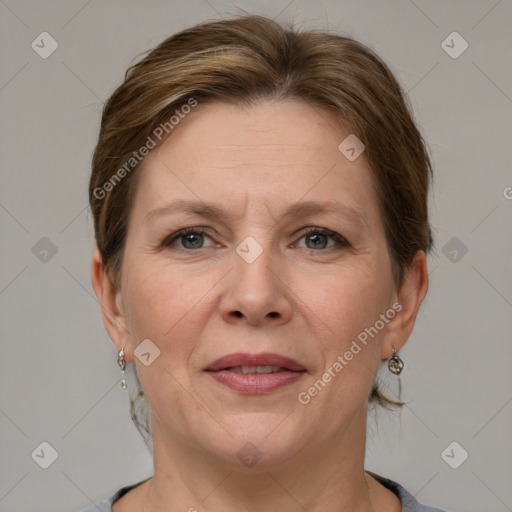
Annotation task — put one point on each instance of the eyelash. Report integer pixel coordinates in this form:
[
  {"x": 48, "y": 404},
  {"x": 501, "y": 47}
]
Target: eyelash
[{"x": 167, "y": 243}]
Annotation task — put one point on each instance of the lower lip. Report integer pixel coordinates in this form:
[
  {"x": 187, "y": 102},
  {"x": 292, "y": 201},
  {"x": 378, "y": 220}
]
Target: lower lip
[{"x": 256, "y": 383}]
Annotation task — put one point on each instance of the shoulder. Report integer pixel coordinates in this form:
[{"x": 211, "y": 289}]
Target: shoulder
[
  {"x": 409, "y": 502},
  {"x": 100, "y": 506},
  {"x": 106, "y": 505}
]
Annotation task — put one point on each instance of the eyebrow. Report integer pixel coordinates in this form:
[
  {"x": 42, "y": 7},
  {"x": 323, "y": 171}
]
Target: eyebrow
[{"x": 216, "y": 212}]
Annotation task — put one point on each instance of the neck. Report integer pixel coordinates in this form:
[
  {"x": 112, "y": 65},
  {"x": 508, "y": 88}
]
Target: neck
[{"x": 328, "y": 474}]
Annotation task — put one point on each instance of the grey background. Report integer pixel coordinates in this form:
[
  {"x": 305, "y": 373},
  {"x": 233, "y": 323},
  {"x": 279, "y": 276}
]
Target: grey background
[{"x": 59, "y": 381}]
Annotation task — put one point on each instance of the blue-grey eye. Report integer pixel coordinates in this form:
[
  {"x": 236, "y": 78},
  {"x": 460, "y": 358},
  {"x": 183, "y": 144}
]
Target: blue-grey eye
[
  {"x": 319, "y": 240},
  {"x": 192, "y": 240}
]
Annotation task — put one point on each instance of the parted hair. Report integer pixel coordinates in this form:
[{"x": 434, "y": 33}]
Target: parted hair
[{"x": 247, "y": 59}]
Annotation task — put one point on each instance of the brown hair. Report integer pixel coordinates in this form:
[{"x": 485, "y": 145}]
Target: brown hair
[{"x": 247, "y": 59}]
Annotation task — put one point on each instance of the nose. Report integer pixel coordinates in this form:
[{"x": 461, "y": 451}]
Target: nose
[{"x": 256, "y": 294}]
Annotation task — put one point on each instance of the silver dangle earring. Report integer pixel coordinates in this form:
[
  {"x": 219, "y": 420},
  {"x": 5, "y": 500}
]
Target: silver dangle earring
[
  {"x": 396, "y": 365},
  {"x": 122, "y": 364}
]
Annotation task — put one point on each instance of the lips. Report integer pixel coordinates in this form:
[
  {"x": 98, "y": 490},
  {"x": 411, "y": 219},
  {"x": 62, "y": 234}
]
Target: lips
[
  {"x": 255, "y": 374},
  {"x": 243, "y": 362}
]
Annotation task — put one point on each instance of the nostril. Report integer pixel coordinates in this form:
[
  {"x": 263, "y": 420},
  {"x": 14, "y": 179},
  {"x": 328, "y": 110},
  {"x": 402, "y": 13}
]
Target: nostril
[{"x": 273, "y": 314}]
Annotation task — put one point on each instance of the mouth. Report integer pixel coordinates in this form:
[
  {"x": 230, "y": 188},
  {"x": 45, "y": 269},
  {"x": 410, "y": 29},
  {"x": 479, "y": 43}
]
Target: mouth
[
  {"x": 255, "y": 373},
  {"x": 261, "y": 363},
  {"x": 257, "y": 370}
]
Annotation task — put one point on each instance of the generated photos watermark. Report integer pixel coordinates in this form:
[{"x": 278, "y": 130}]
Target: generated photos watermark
[
  {"x": 304, "y": 397},
  {"x": 157, "y": 135}
]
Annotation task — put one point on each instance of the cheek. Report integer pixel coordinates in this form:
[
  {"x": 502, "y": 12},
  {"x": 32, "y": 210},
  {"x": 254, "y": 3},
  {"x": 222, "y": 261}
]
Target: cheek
[
  {"x": 345, "y": 302},
  {"x": 150, "y": 299},
  {"x": 166, "y": 306},
  {"x": 155, "y": 295},
  {"x": 345, "y": 305}
]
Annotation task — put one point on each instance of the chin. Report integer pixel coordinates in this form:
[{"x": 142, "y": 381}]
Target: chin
[
  {"x": 253, "y": 458},
  {"x": 258, "y": 441}
]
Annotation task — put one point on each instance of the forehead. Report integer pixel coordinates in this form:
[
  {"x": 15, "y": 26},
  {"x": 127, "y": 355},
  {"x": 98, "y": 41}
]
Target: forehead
[
  {"x": 271, "y": 152},
  {"x": 240, "y": 133}
]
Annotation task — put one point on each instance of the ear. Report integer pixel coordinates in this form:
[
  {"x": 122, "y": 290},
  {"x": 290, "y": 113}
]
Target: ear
[
  {"x": 112, "y": 308},
  {"x": 409, "y": 296}
]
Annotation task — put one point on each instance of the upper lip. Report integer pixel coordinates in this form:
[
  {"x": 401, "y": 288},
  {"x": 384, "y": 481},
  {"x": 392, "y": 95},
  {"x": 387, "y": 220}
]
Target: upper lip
[{"x": 245, "y": 359}]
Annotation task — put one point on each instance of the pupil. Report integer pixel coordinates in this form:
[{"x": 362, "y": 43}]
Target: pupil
[
  {"x": 192, "y": 238},
  {"x": 311, "y": 237}
]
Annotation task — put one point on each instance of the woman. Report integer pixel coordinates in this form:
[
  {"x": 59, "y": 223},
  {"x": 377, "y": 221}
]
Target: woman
[{"x": 259, "y": 197}]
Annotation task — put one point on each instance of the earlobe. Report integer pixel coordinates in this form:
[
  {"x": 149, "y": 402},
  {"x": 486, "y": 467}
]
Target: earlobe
[
  {"x": 410, "y": 296},
  {"x": 110, "y": 301}
]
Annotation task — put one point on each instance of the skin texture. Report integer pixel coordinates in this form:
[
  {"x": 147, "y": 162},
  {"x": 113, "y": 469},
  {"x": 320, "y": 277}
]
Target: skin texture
[{"x": 304, "y": 297}]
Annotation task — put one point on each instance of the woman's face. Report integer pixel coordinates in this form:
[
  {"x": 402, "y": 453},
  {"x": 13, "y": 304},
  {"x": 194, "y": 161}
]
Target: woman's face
[{"x": 249, "y": 279}]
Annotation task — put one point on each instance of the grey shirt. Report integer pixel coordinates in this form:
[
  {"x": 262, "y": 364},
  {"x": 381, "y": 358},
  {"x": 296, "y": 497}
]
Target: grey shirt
[{"x": 409, "y": 502}]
